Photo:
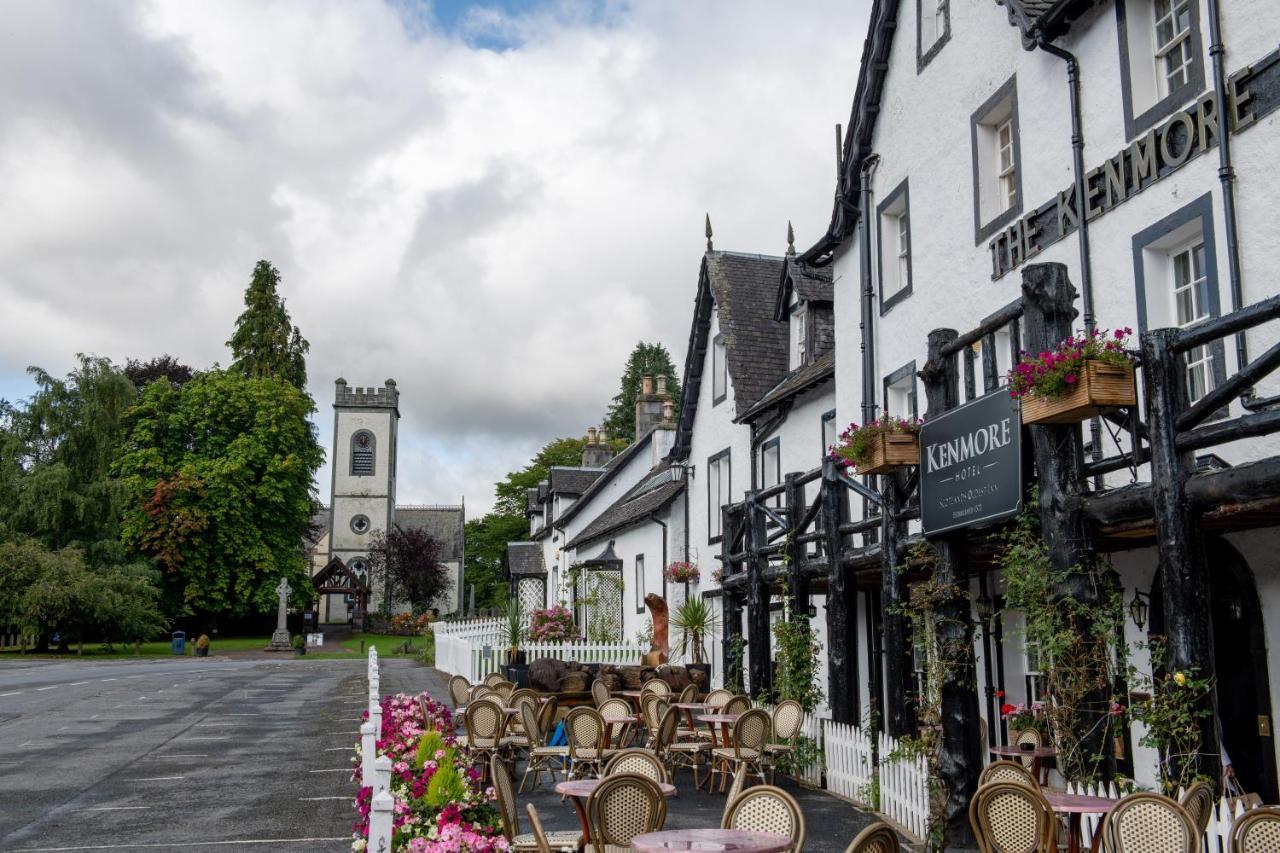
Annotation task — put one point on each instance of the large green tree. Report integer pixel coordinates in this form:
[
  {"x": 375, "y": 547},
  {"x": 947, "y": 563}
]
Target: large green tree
[
  {"x": 219, "y": 472},
  {"x": 645, "y": 360},
  {"x": 266, "y": 344}
]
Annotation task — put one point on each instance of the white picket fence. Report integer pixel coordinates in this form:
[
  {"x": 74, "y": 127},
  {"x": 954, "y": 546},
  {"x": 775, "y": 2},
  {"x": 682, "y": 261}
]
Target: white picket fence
[
  {"x": 852, "y": 772},
  {"x": 1217, "y": 833},
  {"x": 478, "y": 647},
  {"x": 850, "y": 761}
]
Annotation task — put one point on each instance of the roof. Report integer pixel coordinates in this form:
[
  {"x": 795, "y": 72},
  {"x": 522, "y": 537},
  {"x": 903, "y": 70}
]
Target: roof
[
  {"x": 317, "y": 526},
  {"x": 573, "y": 481},
  {"x": 647, "y": 497},
  {"x": 743, "y": 289},
  {"x": 442, "y": 523},
  {"x": 531, "y": 501},
  {"x": 1043, "y": 19},
  {"x": 810, "y": 283},
  {"x": 525, "y": 558},
  {"x": 796, "y": 382},
  {"x": 611, "y": 469}
]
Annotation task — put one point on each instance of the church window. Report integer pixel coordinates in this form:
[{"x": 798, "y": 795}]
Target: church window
[
  {"x": 359, "y": 567},
  {"x": 362, "y": 446},
  {"x": 360, "y": 525}
]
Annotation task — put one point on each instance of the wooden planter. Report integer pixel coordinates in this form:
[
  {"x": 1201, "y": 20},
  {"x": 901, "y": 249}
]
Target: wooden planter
[
  {"x": 1101, "y": 387},
  {"x": 890, "y": 452}
]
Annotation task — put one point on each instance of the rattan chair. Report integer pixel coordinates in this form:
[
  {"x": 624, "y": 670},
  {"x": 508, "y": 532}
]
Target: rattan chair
[
  {"x": 584, "y": 728},
  {"x": 788, "y": 720},
  {"x": 1258, "y": 831},
  {"x": 535, "y": 825},
  {"x": 716, "y": 698},
  {"x": 547, "y": 715},
  {"x": 622, "y": 807},
  {"x": 736, "y": 787},
  {"x": 617, "y": 707},
  {"x": 486, "y": 723},
  {"x": 737, "y": 705},
  {"x": 479, "y": 691},
  {"x": 1198, "y": 801},
  {"x": 1149, "y": 823},
  {"x": 637, "y": 760},
  {"x": 767, "y": 809},
  {"x": 506, "y": 798},
  {"x": 750, "y": 734},
  {"x": 1028, "y": 760},
  {"x": 653, "y": 709},
  {"x": 663, "y": 738},
  {"x": 686, "y": 752},
  {"x": 1006, "y": 771},
  {"x": 599, "y": 692},
  {"x": 1012, "y": 817},
  {"x": 879, "y": 837},
  {"x": 542, "y": 757},
  {"x": 689, "y": 694},
  {"x": 656, "y": 685},
  {"x": 459, "y": 690},
  {"x": 493, "y": 678},
  {"x": 504, "y": 689}
]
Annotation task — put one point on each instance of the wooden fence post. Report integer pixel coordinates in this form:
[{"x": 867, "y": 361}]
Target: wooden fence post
[
  {"x": 842, "y": 604},
  {"x": 731, "y": 629},
  {"x": 900, "y": 718},
  {"x": 798, "y": 584},
  {"x": 758, "y": 652}
]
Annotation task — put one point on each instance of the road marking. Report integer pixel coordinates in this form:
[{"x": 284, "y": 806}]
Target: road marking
[
  {"x": 230, "y": 714},
  {"x": 176, "y": 755},
  {"x": 333, "y": 770},
  {"x": 11, "y": 693},
  {"x": 181, "y": 845},
  {"x": 340, "y": 748},
  {"x": 156, "y": 779},
  {"x": 77, "y": 683},
  {"x": 50, "y": 687},
  {"x": 314, "y": 799},
  {"x": 115, "y": 809},
  {"x": 217, "y": 737},
  {"x": 108, "y": 679}
]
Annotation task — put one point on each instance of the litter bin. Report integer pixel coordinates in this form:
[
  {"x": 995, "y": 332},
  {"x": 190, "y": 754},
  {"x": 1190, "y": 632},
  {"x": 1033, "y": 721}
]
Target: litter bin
[{"x": 179, "y": 642}]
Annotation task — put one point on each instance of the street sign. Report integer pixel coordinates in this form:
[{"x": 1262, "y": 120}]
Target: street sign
[{"x": 971, "y": 464}]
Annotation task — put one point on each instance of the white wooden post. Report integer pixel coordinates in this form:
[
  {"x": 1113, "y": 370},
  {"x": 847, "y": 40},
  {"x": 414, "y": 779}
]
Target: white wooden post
[
  {"x": 380, "y": 822},
  {"x": 375, "y": 717},
  {"x": 368, "y": 752},
  {"x": 375, "y": 702},
  {"x": 382, "y": 773}
]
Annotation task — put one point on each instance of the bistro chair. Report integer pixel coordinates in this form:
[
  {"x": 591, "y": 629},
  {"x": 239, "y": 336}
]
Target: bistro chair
[
  {"x": 618, "y": 707},
  {"x": 1029, "y": 761},
  {"x": 599, "y": 692},
  {"x": 584, "y": 728},
  {"x": 788, "y": 720},
  {"x": 879, "y": 837},
  {"x": 1149, "y": 823},
  {"x": 736, "y": 705},
  {"x": 767, "y": 809},
  {"x": 689, "y": 694},
  {"x": 1012, "y": 817},
  {"x": 687, "y": 752},
  {"x": 656, "y": 685},
  {"x": 503, "y": 689},
  {"x": 736, "y": 787},
  {"x": 664, "y": 736},
  {"x": 1198, "y": 801},
  {"x": 486, "y": 723},
  {"x": 622, "y": 807},
  {"x": 459, "y": 690},
  {"x": 1006, "y": 771},
  {"x": 1258, "y": 831},
  {"x": 547, "y": 715},
  {"x": 493, "y": 678},
  {"x": 637, "y": 760},
  {"x": 653, "y": 709},
  {"x": 479, "y": 691},
  {"x": 750, "y": 734},
  {"x": 506, "y": 798},
  {"x": 716, "y": 698},
  {"x": 542, "y": 756},
  {"x": 535, "y": 825}
]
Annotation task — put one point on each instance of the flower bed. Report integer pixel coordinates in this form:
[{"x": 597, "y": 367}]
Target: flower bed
[
  {"x": 439, "y": 804},
  {"x": 553, "y": 625},
  {"x": 879, "y": 447}
]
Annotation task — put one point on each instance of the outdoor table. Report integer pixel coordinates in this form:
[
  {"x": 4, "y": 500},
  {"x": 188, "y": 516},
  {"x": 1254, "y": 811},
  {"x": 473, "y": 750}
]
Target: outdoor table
[
  {"x": 579, "y": 789},
  {"x": 609, "y": 723},
  {"x": 690, "y": 707},
  {"x": 1073, "y": 806},
  {"x": 711, "y": 841},
  {"x": 725, "y": 722},
  {"x": 1040, "y": 756}
]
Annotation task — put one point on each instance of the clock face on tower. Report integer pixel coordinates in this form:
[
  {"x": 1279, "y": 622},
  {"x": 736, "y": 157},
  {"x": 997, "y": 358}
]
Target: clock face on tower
[{"x": 362, "y": 440}]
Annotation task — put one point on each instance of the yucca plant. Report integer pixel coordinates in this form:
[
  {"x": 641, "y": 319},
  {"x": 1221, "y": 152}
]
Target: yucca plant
[
  {"x": 696, "y": 622},
  {"x": 515, "y": 624}
]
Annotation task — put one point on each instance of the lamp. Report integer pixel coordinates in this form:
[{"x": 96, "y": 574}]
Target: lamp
[
  {"x": 813, "y": 611},
  {"x": 1139, "y": 607},
  {"x": 985, "y": 606}
]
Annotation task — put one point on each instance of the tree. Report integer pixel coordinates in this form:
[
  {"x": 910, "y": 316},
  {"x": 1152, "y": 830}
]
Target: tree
[
  {"x": 219, "y": 474},
  {"x": 143, "y": 373},
  {"x": 513, "y": 490},
  {"x": 408, "y": 561},
  {"x": 645, "y": 360},
  {"x": 266, "y": 344}
]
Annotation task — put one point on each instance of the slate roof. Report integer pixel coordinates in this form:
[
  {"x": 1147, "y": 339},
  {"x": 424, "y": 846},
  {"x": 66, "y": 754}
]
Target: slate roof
[
  {"x": 616, "y": 464},
  {"x": 317, "y": 526},
  {"x": 797, "y": 382},
  {"x": 573, "y": 481},
  {"x": 531, "y": 501},
  {"x": 810, "y": 283},
  {"x": 648, "y": 496},
  {"x": 443, "y": 523},
  {"x": 525, "y": 558}
]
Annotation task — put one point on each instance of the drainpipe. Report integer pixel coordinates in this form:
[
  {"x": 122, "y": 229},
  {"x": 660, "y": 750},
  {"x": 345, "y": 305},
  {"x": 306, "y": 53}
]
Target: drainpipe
[
  {"x": 654, "y": 518},
  {"x": 868, "y": 293}
]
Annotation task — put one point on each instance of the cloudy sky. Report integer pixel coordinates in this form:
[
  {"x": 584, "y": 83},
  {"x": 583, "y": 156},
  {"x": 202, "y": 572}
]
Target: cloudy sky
[{"x": 490, "y": 203}]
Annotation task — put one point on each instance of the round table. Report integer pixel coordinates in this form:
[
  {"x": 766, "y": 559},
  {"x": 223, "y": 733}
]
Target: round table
[
  {"x": 725, "y": 721},
  {"x": 579, "y": 789},
  {"x": 690, "y": 707},
  {"x": 711, "y": 841},
  {"x": 1073, "y": 806},
  {"x": 609, "y": 723},
  {"x": 1040, "y": 756}
]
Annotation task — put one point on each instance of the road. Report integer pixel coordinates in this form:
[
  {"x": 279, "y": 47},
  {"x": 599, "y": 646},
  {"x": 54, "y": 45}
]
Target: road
[{"x": 189, "y": 754}]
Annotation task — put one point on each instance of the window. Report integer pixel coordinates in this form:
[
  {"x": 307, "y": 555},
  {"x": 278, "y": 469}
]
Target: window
[
  {"x": 1032, "y": 670},
  {"x": 1161, "y": 67},
  {"x": 639, "y": 583},
  {"x": 900, "y": 392},
  {"x": 718, "y": 492},
  {"x": 895, "y": 247},
  {"x": 359, "y": 567},
  {"x": 933, "y": 29},
  {"x": 771, "y": 467},
  {"x": 829, "y": 432},
  {"x": 360, "y": 525},
  {"x": 719, "y": 371},
  {"x": 799, "y": 335},
  {"x": 997, "y": 161},
  {"x": 1191, "y": 297},
  {"x": 362, "y": 459}
]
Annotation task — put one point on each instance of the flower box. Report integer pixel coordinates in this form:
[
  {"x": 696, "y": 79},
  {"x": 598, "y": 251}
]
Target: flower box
[
  {"x": 890, "y": 452},
  {"x": 1100, "y": 386}
]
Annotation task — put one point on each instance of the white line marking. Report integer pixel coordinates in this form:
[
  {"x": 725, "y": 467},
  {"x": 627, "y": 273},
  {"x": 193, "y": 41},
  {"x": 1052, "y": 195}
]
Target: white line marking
[
  {"x": 230, "y": 714},
  {"x": 219, "y": 737},
  {"x": 179, "y": 755},
  {"x": 340, "y": 748},
  {"x": 115, "y": 809},
  {"x": 334, "y": 770},
  {"x": 182, "y": 844},
  {"x": 77, "y": 683},
  {"x": 156, "y": 779},
  {"x": 314, "y": 799},
  {"x": 50, "y": 687},
  {"x": 108, "y": 679},
  {"x": 11, "y": 693}
]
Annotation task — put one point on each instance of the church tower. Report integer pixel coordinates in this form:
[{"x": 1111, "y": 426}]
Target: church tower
[{"x": 365, "y": 425}]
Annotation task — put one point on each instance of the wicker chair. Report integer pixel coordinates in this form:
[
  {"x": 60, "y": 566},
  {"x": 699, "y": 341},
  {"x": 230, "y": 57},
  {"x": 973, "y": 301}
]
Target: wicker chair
[
  {"x": 617, "y": 707},
  {"x": 767, "y": 809},
  {"x": 637, "y": 760},
  {"x": 736, "y": 787},
  {"x": 1257, "y": 832},
  {"x": 1149, "y": 823},
  {"x": 459, "y": 690},
  {"x": 584, "y": 727},
  {"x": 506, "y": 798},
  {"x": 788, "y": 719},
  {"x": 663, "y": 738},
  {"x": 1012, "y": 817},
  {"x": 504, "y": 689},
  {"x": 493, "y": 678},
  {"x": 750, "y": 734},
  {"x": 539, "y": 835},
  {"x": 652, "y": 709},
  {"x": 1029, "y": 761},
  {"x": 879, "y": 837},
  {"x": 1198, "y": 801},
  {"x": 656, "y": 685},
  {"x": 687, "y": 752},
  {"x": 689, "y": 694},
  {"x": 736, "y": 705},
  {"x": 479, "y": 691},
  {"x": 716, "y": 698},
  {"x": 599, "y": 692},
  {"x": 622, "y": 807},
  {"x": 486, "y": 723},
  {"x": 547, "y": 715},
  {"x": 1006, "y": 771},
  {"x": 542, "y": 757}
]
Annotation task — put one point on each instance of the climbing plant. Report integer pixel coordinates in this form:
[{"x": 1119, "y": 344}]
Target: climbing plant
[{"x": 1175, "y": 706}]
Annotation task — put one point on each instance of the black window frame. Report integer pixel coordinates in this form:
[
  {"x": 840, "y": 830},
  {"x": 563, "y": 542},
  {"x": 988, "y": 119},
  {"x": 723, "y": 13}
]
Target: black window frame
[
  {"x": 1136, "y": 125},
  {"x": 923, "y": 56},
  {"x": 715, "y": 459},
  {"x": 1007, "y": 91},
  {"x": 901, "y": 193},
  {"x": 717, "y": 345},
  {"x": 907, "y": 370},
  {"x": 774, "y": 443},
  {"x": 373, "y": 454},
  {"x": 640, "y": 582}
]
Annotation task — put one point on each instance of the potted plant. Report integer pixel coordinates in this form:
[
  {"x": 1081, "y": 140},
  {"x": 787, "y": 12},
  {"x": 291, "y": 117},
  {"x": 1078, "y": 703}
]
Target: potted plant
[
  {"x": 517, "y": 670},
  {"x": 682, "y": 572},
  {"x": 697, "y": 623},
  {"x": 299, "y": 645},
  {"x": 1084, "y": 375},
  {"x": 202, "y": 646},
  {"x": 880, "y": 447}
]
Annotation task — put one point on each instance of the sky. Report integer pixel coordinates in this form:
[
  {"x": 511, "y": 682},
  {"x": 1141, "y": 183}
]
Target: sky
[{"x": 490, "y": 203}]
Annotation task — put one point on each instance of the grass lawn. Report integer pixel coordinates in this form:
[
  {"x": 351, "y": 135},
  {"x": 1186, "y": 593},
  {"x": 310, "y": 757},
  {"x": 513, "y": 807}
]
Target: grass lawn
[{"x": 349, "y": 648}]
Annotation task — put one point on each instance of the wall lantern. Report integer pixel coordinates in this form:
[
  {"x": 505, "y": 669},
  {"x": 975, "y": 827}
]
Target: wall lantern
[
  {"x": 1139, "y": 607},
  {"x": 813, "y": 611},
  {"x": 985, "y": 606}
]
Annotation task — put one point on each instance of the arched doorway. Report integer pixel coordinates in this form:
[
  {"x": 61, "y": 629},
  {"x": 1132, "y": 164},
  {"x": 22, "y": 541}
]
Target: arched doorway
[
  {"x": 1240, "y": 661},
  {"x": 337, "y": 579}
]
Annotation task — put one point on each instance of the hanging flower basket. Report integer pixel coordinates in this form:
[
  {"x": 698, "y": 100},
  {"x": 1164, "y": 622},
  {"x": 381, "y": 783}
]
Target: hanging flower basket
[
  {"x": 1084, "y": 376},
  {"x": 880, "y": 447}
]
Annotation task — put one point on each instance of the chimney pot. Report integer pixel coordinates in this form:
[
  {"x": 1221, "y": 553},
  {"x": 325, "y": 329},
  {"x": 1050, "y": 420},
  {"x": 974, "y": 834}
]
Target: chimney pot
[
  {"x": 662, "y": 384},
  {"x": 646, "y": 385},
  {"x": 668, "y": 411},
  {"x": 591, "y": 435}
]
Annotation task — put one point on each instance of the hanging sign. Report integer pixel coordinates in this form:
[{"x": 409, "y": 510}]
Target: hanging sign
[{"x": 971, "y": 465}]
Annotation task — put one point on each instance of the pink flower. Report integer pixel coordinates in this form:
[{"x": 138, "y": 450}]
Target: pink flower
[{"x": 1070, "y": 379}]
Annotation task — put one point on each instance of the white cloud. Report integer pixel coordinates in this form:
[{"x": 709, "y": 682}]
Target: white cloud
[{"x": 493, "y": 229}]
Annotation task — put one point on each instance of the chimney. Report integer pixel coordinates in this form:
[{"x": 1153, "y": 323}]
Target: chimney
[
  {"x": 649, "y": 404},
  {"x": 664, "y": 434},
  {"x": 597, "y": 451}
]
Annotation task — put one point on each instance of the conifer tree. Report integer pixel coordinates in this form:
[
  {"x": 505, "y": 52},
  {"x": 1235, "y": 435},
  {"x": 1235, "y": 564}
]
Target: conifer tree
[
  {"x": 645, "y": 360},
  {"x": 266, "y": 344}
]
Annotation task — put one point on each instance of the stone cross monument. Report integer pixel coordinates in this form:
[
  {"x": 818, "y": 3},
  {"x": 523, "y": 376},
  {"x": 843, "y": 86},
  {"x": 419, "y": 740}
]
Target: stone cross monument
[{"x": 280, "y": 638}]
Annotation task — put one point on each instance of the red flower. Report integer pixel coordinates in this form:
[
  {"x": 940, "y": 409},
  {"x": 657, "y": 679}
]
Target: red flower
[
  {"x": 1070, "y": 379},
  {"x": 1006, "y": 709},
  {"x": 999, "y": 694}
]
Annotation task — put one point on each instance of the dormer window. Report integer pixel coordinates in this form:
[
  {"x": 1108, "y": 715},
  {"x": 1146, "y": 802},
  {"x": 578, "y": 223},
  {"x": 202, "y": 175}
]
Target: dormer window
[{"x": 799, "y": 334}]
